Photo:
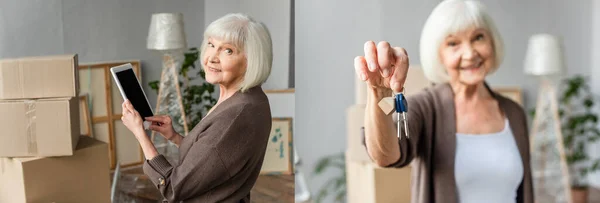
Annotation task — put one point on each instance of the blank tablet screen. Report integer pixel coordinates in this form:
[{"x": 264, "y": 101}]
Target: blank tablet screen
[{"x": 134, "y": 92}]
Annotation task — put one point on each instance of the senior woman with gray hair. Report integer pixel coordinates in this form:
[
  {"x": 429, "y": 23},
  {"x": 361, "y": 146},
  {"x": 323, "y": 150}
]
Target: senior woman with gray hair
[
  {"x": 221, "y": 157},
  {"x": 466, "y": 143}
]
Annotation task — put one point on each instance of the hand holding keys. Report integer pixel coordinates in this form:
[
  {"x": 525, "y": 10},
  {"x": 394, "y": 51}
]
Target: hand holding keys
[{"x": 386, "y": 67}]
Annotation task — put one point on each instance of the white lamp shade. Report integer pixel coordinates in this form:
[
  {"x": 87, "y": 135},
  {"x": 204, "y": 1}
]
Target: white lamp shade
[
  {"x": 544, "y": 56},
  {"x": 166, "y": 32}
]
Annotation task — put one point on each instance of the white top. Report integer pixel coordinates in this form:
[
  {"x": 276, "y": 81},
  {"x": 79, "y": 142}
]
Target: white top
[{"x": 487, "y": 167}]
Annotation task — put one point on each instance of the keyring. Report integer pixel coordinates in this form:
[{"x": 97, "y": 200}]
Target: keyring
[
  {"x": 396, "y": 103},
  {"x": 401, "y": 107}
]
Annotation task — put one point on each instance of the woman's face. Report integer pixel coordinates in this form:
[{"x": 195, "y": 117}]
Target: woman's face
[
  {"x": 224, "y": 63},
  {"x": 468, "y": 55}
]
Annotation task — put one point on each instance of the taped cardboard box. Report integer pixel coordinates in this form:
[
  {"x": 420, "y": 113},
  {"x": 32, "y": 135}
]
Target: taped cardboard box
[
  {"x": 83, "y": 177},
  {"x": 39, "y": 77},
  {"x": 45, "y": 127},
  {"x": 369, "y": 183}
]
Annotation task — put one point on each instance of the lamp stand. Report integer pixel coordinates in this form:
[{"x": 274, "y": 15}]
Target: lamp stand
[
  {"x": 548, "y": 163},
  {"x": 169, "y": 102}
]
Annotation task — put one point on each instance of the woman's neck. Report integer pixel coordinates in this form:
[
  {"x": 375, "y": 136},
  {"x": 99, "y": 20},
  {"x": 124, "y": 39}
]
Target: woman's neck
[
  {"x": 469, "y": 92},
  {"x": 226, "y": 91}
]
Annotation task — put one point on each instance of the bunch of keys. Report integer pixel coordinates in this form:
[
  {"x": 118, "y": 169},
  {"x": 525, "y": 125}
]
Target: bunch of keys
[{"x": 398, "y": 104}]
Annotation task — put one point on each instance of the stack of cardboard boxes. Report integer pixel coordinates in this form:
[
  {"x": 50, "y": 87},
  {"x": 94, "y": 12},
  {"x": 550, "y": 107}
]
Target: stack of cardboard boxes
[
  {"x": 42, "y": 156},
  {"x": 366, "y": 181}
]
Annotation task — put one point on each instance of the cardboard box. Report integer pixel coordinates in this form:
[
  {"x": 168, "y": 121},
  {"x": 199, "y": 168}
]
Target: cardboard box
[
  {"x": 369, "y": 183},
  {"x": 83, "y": 177},
  {"x": 39, "y": 77},
  {"x": 355, "y": 119},
  {"x": 415, "y": 81},
  {"x": 45, "y": 127}
]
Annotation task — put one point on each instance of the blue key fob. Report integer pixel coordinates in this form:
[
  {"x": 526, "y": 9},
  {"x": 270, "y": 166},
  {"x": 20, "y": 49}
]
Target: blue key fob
[{"x": 401, "y": 104}]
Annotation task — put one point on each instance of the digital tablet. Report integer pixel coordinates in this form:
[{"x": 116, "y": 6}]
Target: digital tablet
[{"x": 130, "y": 89}]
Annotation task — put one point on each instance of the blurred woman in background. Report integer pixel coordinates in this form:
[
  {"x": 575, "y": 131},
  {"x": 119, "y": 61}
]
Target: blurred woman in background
[{"x": 466, "y": 142}]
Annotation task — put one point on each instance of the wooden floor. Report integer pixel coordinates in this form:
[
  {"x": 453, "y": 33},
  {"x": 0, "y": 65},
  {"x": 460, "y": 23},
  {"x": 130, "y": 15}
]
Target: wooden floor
[
  {"x": 594, "y": 195},
  {"x": 134, "y": 186},
  {"x": 273, "y": 188},
  {"x": 268, "y": 189}
]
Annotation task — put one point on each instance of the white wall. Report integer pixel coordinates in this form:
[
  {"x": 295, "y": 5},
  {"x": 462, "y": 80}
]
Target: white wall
[
  {"x": 26, "y": 33},
  {"x": 275, "y": 14},
  {"x": 329, "y": 34},
  {"x": 594, "y": 150},
  {"x": 105, "y": 30},
  {"x": 112, "y": 30}
]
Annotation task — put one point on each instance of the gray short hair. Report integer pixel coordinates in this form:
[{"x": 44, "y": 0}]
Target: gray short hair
[
  {"x": 448, "y": 17},
  {"x": 250, "y": 36}
]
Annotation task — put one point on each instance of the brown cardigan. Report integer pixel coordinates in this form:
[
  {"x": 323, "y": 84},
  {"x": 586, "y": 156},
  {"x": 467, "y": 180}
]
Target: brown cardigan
[
  {"x": 221, "y": 157},
  {"x": 432, "y": 146}
]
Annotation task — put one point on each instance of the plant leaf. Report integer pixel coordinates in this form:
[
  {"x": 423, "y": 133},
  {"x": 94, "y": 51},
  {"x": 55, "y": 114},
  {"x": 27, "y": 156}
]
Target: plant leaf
[
  {"x": 321, "y": 165},
  {"x": 322, "y": 194},
  {"x": 588, "y": 102},
  {"x": 568, "y": 140},
  {"x": 561, "y": 113},
  {"x": 339, "y": 182},
  {"x": 593, "y": 118},
  {"x": 584, "y": 172},
  {"x": 202, "y": 74},
  {"x": 532, "y": 112},
  {"x": 341, "y": 195},
  {"x": 595, "y": 131},
  {"x": 336, "y": 184},
  {"x": 596, "y": 165},
  {"x": 154, "y": 85},
  {"x": 324, "y": 190}
]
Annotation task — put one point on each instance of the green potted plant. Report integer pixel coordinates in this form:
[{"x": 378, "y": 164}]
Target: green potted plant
[
  {"x": 197, "y": 94},
  {"x": 579, "y": 126},
  {"x": 336, "y": 184}
]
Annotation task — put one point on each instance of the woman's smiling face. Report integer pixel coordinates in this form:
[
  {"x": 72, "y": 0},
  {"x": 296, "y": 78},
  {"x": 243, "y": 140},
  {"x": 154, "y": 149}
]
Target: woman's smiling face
[
  {"x": 468, "y": 55},
  {"x": 224, "y": 63}
]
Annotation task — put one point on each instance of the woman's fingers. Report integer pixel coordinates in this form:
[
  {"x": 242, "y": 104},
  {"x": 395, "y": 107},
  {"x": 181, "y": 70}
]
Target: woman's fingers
[
  {"x": 132, "y": 109},
  {"x": 156, "y": 128},
  {"x": 401, "y": 69},
  {"x": 159, "y": 120},
  {"x": 385, "y": 62},
  {"x": 155, "y": 119},
  {"x": 371, "y": 56},
  {"x": 129, "y": 106},
  {"x": 166, "y": 119},
  {"x": 360, "y": 66},
  {"x": 385, "y": 58},
  {"x": 155, "y": 124},
  {"x": 124, "y": 108}
]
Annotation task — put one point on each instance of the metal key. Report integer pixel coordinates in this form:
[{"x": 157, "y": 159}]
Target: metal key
[{"x": 401, "y": 107}]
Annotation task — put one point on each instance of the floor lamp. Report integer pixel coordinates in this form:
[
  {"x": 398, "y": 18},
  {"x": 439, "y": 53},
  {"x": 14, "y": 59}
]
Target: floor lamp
[
  {"x": 545, "y": 60},
  {"x": 167, "y": 35}
]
